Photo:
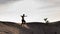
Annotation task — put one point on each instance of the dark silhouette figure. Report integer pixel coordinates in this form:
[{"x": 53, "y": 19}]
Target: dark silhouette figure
[
  {"x": 55, "y": 32},
  {"x": 23, "y": 21},
  {"x": 46, "y": 20}
]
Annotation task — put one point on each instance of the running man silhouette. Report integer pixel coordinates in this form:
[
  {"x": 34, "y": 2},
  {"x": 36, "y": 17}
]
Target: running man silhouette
[
  {"x": 23, "y": 21},
  {"x": 23, "y": 24},
  {"x": 46, "y": 20}
]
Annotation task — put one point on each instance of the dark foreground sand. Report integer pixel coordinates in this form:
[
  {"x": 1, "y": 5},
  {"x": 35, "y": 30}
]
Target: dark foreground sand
[{"x": 29, "y": 28}]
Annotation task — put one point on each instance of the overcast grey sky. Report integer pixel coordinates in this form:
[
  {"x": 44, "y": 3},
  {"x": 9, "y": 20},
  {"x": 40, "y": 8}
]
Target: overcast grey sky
[{"x": 36, "y": 10}]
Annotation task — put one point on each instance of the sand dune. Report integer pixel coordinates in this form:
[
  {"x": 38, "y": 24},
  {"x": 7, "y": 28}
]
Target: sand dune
[{"x": 30, "y": 28}]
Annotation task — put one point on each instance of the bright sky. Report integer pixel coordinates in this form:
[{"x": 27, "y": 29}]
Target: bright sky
[{"x": 35, "y": 10}]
